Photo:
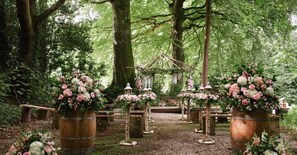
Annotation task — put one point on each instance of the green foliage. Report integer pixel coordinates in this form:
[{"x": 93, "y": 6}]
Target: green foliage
[
  {"x": 9, "y": 114},
  {"x": 266, "y": 145},
  {"x": 4, "y": 87},
  {"x": 174, "y": 89},
  {"x": 30, "y": 86},
  {"x": 290, "y": 118}
]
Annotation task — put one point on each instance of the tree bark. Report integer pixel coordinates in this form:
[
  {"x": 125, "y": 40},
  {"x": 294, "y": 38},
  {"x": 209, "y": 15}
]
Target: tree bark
[
  {"x": 177, "y": 36},
  {"x": 29, "y": 21},
  {"x": 177, "y": 30},
  {"x": 4, "y": 47},
  {"x": 206, "y": 43},
  {"x": 123, "y": 56},
  {"x": 27, "y": 37}
]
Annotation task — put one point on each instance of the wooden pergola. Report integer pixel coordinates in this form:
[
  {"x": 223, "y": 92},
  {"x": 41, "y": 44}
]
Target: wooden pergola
[{"x": 163, "y": 64}]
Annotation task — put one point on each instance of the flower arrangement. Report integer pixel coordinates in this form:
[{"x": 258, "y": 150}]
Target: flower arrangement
[
  {"x": 209, "y": 98},
  {"x": 147, "y": 96},
  {"x": 250, "y": 91},
  {"x": 266, "y": 145},
  {"x": 78, "y": 92},
  {"x": 127, "y": 98},
  {"x": 33, "y": 143}
]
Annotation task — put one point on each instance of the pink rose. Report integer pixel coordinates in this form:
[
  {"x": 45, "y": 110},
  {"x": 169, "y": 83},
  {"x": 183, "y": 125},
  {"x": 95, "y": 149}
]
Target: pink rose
[
  {"x": 263, "y": 87},
  {"x": 79, "y": 97},
  {"x": 252, "y": 87},
  {"x": 81, "y": 83},
  {"x": 244, "y": 102},
  {"x": 93, "y": 95},
  {"x": 243, "y": 89},
  {"x": 64, "y": 86},
  {"x": 256, "y": 96},
  {"x": 61, "y": 96},
  {"x": 259, "y": 80},
  {"x": 26, "y": 153},
  {"x": 67, "y": 92}
]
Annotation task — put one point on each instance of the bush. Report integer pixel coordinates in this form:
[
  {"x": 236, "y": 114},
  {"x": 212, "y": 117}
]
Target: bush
[
  {"x": 9, "y": 114},
  {"x": 290, "y": 118}
]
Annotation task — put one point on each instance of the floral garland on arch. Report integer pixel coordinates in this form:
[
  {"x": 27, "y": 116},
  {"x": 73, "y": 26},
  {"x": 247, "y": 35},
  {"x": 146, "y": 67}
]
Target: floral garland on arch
[
  {"x": 250, "y": 91},
  {"x": 33, "y": 143}
]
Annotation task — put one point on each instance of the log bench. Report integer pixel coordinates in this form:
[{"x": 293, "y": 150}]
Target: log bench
[{"x": 26, "y": 111}]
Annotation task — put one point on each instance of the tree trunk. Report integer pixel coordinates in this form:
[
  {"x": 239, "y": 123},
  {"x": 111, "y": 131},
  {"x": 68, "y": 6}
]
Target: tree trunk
[
  {"x": 27, "y": 38},
  {"x": 206, "y": 43},
  {"x": 123, "y": 56},
  {"x": 177, "y": 35},
  {"x": 4, "y": 47}
]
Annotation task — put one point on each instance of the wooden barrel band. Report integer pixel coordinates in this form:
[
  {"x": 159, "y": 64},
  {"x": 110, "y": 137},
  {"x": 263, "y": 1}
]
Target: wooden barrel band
[
  {"x": 80, "y": 138},
  {"x": 79, "y": 118},
  {"x": 250, "y": 119}
]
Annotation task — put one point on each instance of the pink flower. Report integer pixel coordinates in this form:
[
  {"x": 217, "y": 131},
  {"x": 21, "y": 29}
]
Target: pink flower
[
  {"x": 257, "y": 141},
  {"x": 258, "y": 80},
  {"x": 93, "y": 95},
  {"x": 48, "y": 149},
  {"x": 62, "y": 78},
  {"x": 79, "y": 97},
  {"x": 245, "y": 74},
  {"x": 256, "y": 96},
  {"x": 244, "y": 102},
  {"x": 26, "y": 153},
  {"x": 81, "y": 83},
  {"x": 12, "y": 150},
  {"x": 263, "y": 87},
  {"x": 243, "y": 89},
  {"x": 64, "y": 86},
  {"x": 227, "y": 86},
  {"x": 61, "y": 96},
  {"x": 252, "y": 87},
  {"x": 67, "y": 92}
]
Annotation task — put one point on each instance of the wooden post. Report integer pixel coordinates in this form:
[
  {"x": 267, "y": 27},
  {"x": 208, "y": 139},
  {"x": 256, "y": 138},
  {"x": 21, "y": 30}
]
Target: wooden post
[
  {"x": 200, "y": 119},
  {"x": 188, "y": 110},
  {"x": 145, "y": 115},
  {"x": 127, "y": 129},
  {"x": 182, "y": 108},
  {"x": 25, "y": 115}
]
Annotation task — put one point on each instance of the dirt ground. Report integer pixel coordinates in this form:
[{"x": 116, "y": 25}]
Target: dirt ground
[{"x": 171, "y": 137}]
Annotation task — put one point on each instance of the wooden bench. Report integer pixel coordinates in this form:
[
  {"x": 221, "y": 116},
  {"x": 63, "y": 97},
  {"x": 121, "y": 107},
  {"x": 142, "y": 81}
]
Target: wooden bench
[
  {"x": 26, "y": 111},
  {"x": 165, "y": 109}
]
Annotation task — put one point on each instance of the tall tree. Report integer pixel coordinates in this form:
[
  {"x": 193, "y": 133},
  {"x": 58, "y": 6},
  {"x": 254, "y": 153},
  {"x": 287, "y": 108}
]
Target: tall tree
[
  {"x": 4, "y": 47},
  {"x": 123, "y": 55},
  {"x": 29, "y": 20}
]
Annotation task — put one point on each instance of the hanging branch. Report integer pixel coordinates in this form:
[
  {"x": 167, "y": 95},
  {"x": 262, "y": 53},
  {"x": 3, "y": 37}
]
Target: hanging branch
[{"x": 50, "y": 10}]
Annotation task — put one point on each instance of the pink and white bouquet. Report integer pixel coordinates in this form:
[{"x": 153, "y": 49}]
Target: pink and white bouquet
[
  {"x": 209, "y": 98},
  {"x": 78, "y": 92},
  {"x": 250, "y": 91},
  {"x": 33, "y": 143}
]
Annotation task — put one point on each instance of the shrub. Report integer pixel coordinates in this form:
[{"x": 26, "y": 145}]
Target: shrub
[
  {"x": 9, "y": 114},
  {"x": 290, "y": 118}
]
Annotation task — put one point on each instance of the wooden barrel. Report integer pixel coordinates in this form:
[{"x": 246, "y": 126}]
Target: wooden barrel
[
  {"x": 77, "y": 132},
  {"x": 245, "y": 124}
]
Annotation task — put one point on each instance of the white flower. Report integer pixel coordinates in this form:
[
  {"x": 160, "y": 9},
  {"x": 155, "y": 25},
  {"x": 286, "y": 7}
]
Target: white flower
[
  {"x": 86, "y": 96},
  {"x": 75, "y": 80},
  {"x": 36, "y": 148},
  {"x": 242, "y": 80},
  {"x": 269, "y": 152},
  {"x": 270, "y": 91},
  {"x": 82, "y": 89}
]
